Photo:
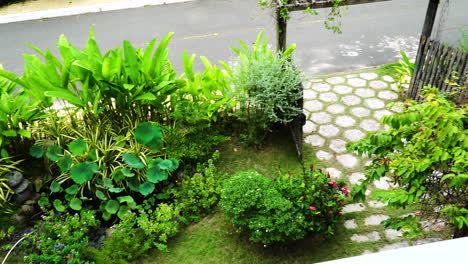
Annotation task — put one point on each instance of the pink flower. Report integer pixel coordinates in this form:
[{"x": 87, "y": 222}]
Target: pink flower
[
  {"x": 335, "y": 186},
  {"x": 332, "y": 182},
  {"x": 345, "y": 189},
  {"x": 341, "y": 213},
  {"x": 312, "y": 208},
  {"x": 330, "y": 212}
]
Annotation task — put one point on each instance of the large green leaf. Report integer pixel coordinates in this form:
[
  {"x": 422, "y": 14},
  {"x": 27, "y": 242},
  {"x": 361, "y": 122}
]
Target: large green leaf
[
  {"x": 146, "y": 188},
  {"x": 36, "y": 151},
  {"x": 125, "y": 199},
  {"x": 123, "y": 211},
  {"x": 72, "y": 190},
  {"x": 75, "y": 204},
  {"x": 78, "y": 146},
  {"x": 133, "y": 161},
  {"x": 169, "y": 165},
  {"x": 64, "y": 163},
  {"x": 112, "y": 206},
  {"x": 53, "y": 152},
  {"x": 149, "y": 134},
  {"x": 155, "y": 174},
  {"x": 101, "y": 195},
  {"x": 55, "y": 187},
  {"x": 121, "y": 173},
  {"x": 59, "y": 206},
  {"x": 83, "y": 172}
]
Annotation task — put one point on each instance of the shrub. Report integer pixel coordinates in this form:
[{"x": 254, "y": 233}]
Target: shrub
[
  {"x": 267, "y": 88},
  {"x": 425, "y": 152},
  {"x": 137, "y": 232},
  {"x": 60, "y": 238},
  {"x": 285, "y": 210}
]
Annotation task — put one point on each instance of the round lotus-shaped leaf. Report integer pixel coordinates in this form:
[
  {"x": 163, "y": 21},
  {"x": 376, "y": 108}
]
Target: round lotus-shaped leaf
[
  {"x": 75, "y": 204},
  {"x": 155, "y": 174},
  {"x": 77, "y": 147},
  {"x": 101, "y": 195},
  {"x": 36, "y": 151},
  {"x": 72, "y": 190},
  {"x": 146, "y": 188},
  {"x": 55, "y": 187},
  {"x": 59, "y": 206},
  {"x": 170, "y": 164},
  {"x": 83, "y": 172},
  {"x": 149, "y": 134},
  {"x": 121, "y": 173},
  {"x": 53, "y": 152},
  {"x": 133, "y": 161},
  {"x": 123, "y": 211},
  {"x": 112, "y": 206},
  {"x": 64, "y": 163}
]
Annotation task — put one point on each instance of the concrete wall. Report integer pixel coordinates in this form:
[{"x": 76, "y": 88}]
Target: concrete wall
[{"x": 450, "y": 21}]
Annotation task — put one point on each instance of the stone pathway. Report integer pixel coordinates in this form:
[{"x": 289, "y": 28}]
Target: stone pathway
[{"x": 342, "y": 109}]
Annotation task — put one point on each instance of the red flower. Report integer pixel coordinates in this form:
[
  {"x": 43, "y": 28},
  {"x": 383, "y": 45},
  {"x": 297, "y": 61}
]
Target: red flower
[
  {"x": 332, "y": 182},
  {"x": 330, "y": 212},
  {"x": 341, "y": 202},
  {"x": 335, "y": 186},
  {"x": 345, "y": 189},
  {"x": 312, "y": 208}
]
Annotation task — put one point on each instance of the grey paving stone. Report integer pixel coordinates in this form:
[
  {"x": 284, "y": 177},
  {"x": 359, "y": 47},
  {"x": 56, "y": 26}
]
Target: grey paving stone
[
  {"x": 372, "y": 236},
  {"x": 378, "y": 84},
  {"x": 345, "y": 121},
  {"x": 354, "y": 134},
  {"x": 378, "y": 114},
  {"x": 334, "y": 173},
  {"x": 374, "y": 103},
  {"x": 309, "y": 94},
  {"x": 355, "y": 178},
  {"x": 347, "y": 160},
  {"x": 306, "y": 84},
  {"x": 388, "y": 78},
  {"x": 356, "y": 82},
  {"x": 309, "y": 127},
  {"x": 365, "y": 92},
  {"x": 320, "y": 117},
  {"x": 315, "y": 140},
  {"x": 388, "y": 95},
  {"x": 316, "y": 80},
  {"x": 376, "y": 204},
  {"x": 360, "y": 111},
  {"x": 368, "y": 75},
  {"x": 313, "y": 105},
  {"x": 397, "y": 108},
  {"x": 383, "y": 183},
  {"x": 335, "y": 80},
  {"x": 426, "y": 241},
  {"x": 370, "y": 125},
  {"x": 328, "y": 131},
  {"x": 335, "y": 108},
  {"x": 355, "y": 207},
  {"x": 350, "y": 224},
  {"x": 323, "y": 155},
  {"x": 328, "y": 97},
  {"x": 321, "y": 87},
  {"x": 375, "y": 219},
  {"x": 401, "y": 244},
  {"x": 351, "y": 75},
  {"x": 351, "y": 100},
  {"x": 366, "y": 252},
  {"x": 342, "y": 89},
  {"x": 338, "y": 145},
  {"x": 392, "y": 234},
  {"x": 394, "y": 87}
]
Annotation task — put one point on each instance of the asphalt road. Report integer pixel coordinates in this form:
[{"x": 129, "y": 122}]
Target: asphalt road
[{"x": 372, "y": 35}]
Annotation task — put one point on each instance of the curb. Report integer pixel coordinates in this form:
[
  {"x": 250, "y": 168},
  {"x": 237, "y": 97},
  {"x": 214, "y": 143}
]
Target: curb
[{"x": 69, "y": 11}]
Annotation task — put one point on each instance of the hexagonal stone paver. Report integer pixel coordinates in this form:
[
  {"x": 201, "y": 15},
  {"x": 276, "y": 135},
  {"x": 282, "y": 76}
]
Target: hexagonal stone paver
[
  {"x": 313, "y": 105},
  {"x": 388, "y": 95},
  {"x": 397, "y": 245},
  {"x": 426, "y": 241},
  {"x": 328, "y": 130},
  {"x": 351, "y": 75},
  {"x": 345, "y": 121},
  {"x": 351, "y": 100},
  {"x": 355, "y": 178},
  {"x": 356, "y": 82},
  {"x": 368, "y": 75},
  {"x": 392, "y": 234},
  {"x": 355, "y": 207},
  {"x": 360, "y": 111},
  {"x": 388, "y": 78},
  {"x": 350, "y": 224},
  {"x": 378, "y": 84},
  {"x": 347, "y": 160},
  {"x": 315, "y": 140},
  {"x": 374, "y": 103},
  {"x": 316, "y": 80},
  {"x": 321, "y": 87},
  {"x": 334, "y": 173},
  {"x": 306, "y": 85},
  {"x": 378, "y": 114},
  {"x": 309, "y": 94},
  {"x": 365, "y": 92},
  {"x": 323, "y": 155},
  {"x": 335, "y": 108},
  {"x": 375, "y": 219},
  {"x": 370, "y": 125},
  {"x": 320, "y": 117},
  {"x": 376, "y": 204},
  {"x": 383, "y": 183},
  {"x": 397, "y": 108},
  {"x": 335, "y": 80},
  {"x": 354, "y": 134},
  {"x": 309, "y": 127},
  {"x": 338, "y": 145},
  {"x": 394, "y": 87},
  {"x": 372, "y": 236},
  {"x": 328, "y": 97},
  {"x": 342, "y": 89}
]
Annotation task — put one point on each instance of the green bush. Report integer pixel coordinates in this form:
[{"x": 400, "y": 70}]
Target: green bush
[
  {"x": 60, "y": 238},
  {"x": 425, "y": 152},
  {"x": 283, "y": 210},
  {"x": 267, "y": 89},
  {"x": 137, "y": 232}
]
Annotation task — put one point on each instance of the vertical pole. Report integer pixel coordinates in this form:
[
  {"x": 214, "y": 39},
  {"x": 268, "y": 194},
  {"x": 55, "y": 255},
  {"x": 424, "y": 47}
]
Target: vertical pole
[
  {"x": 281, "y": 27},
  {"x": 425, "y": 37}
]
